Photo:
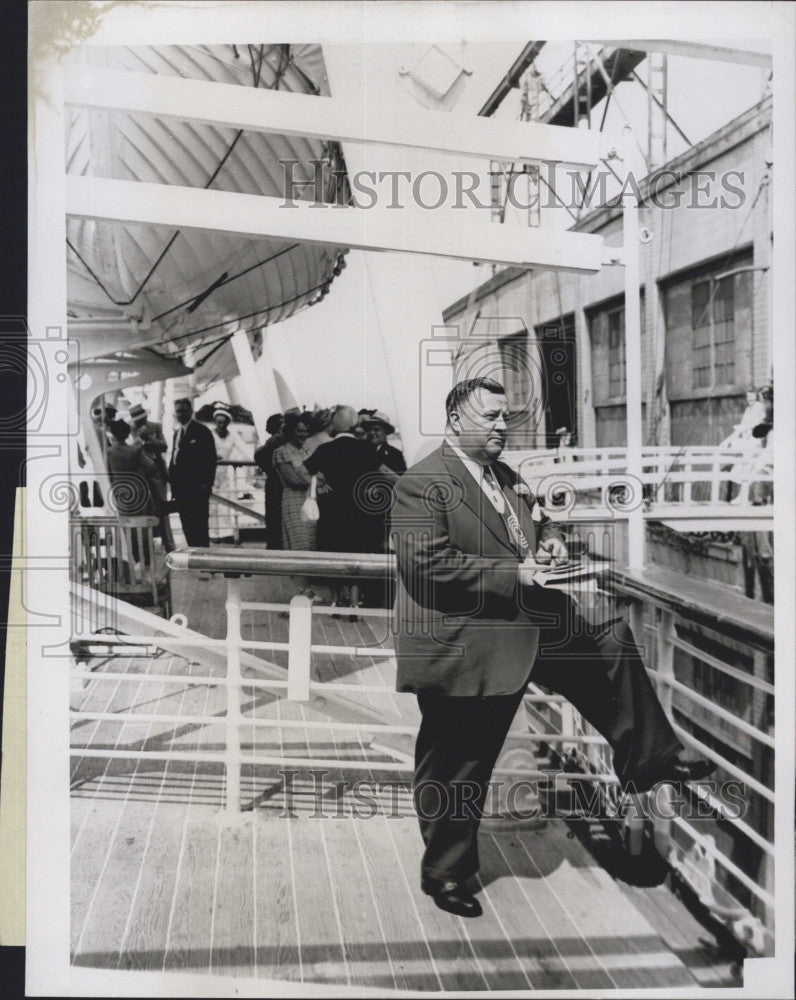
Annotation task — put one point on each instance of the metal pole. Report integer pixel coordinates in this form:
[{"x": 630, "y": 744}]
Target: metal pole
[
  {"x": 633, "y": 369},
  {"x": 299, "y": 655},
  {"x": 234, "y": 677}
]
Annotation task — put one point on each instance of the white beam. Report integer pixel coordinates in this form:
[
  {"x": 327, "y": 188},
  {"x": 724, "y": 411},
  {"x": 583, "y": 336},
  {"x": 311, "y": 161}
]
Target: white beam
[
  {"x": 697, "y": 50},
  {"x": 441, "y": 233},
  {"x": 99, "y": 338},
  {"x": 253, "y": 109}
]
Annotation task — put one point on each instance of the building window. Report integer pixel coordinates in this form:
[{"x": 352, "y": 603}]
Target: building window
[
  {"x": 616, "y": 352},
  {"x": 516, "y": 371},
  {"x": 713, "y": 326},
  {"x": 520, "y": 390}
]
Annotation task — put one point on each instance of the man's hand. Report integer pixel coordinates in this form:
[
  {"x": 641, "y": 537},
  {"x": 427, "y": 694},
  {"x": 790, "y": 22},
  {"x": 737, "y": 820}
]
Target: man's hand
[{"x": 552, "y": 550}]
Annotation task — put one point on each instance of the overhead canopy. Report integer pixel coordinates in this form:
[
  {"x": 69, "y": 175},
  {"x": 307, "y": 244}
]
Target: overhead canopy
[{"x": 186, "y": 285}]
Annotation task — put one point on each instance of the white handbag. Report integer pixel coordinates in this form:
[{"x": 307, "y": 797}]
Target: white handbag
[{"x": 309, "y": 509}]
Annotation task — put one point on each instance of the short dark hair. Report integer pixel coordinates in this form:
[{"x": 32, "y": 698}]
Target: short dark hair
[
  {"x": 120, "y": 430},
  {"x": 273, "y": 423},
  {"x": 463, "y": 390},
  {"x": 292, "y": 420}
]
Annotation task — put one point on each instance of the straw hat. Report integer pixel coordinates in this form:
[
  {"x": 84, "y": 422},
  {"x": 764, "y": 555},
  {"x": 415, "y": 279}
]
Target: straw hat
[
  {"x": 137, "y": 414},
  {"x": 377, "y": 417}
]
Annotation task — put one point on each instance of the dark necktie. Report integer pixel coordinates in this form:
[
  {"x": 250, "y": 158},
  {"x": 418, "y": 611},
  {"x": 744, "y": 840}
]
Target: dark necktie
[{"x": 516, "y": 534}]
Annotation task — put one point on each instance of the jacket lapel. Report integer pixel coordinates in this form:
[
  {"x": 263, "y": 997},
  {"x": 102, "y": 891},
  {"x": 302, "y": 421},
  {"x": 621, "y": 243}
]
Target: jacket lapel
[
  {"x": 521, "y": 504},
  {"x": 474, "y": 498}
]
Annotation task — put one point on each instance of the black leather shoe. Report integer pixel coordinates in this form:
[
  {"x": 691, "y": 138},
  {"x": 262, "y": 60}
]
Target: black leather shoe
[{"x": 452, "y": 897}]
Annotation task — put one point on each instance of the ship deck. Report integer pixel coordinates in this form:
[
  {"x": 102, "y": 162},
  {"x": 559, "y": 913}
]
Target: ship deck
[{"x": 318, "y": 883}]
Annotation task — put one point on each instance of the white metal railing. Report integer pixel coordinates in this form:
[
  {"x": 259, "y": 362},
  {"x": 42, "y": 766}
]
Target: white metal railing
[
  {"x": 660, "y": 596},
  {"x": 674, "y": 483},
  {"x": 238, "y": 502},
  {"x": 662, "y": 603}
]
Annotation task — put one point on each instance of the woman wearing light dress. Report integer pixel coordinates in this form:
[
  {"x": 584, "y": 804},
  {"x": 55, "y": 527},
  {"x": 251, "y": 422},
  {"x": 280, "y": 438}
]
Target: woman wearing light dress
[
  {"x": 289, "y": 461},
  {"x": 230, "y": 447}
]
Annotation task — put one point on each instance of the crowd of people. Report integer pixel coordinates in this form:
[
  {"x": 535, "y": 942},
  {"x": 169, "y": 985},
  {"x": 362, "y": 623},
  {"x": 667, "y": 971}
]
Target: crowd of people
[
  {"x": 339, "y": 456},
  {"x": 342, "y": 459}
]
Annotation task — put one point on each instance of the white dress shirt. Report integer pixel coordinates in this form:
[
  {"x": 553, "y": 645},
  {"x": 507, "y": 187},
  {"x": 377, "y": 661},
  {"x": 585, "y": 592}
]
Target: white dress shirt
[{"x": 486, "y": 480}]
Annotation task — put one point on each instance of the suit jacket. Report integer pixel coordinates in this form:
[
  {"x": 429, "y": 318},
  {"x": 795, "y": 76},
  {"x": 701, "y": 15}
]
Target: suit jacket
[
  {"x": 392, "y": 457},
  {"x": 461, "y": 618},
  {"x": 133, "y": 473},
  {"x": 154, "y": 446},
  {"x": 193, "y": 466}
]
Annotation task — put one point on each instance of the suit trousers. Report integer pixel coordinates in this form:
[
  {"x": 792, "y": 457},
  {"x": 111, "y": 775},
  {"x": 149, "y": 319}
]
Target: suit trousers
[
  {"x": 194, "y": 511},
  {"x": 600, "y": 672}
]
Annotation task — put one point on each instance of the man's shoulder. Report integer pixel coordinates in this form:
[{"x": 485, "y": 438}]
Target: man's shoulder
[
  {"x": 434, "y": 460},
  {"x": 425, "y": 476},
  {"x": 202, "y": 430}
]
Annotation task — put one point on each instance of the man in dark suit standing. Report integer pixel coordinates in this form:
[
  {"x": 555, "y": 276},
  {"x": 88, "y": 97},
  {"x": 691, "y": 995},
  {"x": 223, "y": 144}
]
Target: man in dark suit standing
[
  {"x": 471, "y": 625},
  {"x": 191, "y": 473}
]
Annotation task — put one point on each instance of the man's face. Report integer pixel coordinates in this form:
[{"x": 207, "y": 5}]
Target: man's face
[
  {"x": 480, "y": 425},
  {"x": 377, "y": 434},
  {"x": 182, "y": 412}
]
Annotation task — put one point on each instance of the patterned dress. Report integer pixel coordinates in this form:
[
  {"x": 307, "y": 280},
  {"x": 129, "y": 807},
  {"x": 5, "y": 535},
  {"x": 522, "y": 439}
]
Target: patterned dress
[{"x": 295, "y": 533}]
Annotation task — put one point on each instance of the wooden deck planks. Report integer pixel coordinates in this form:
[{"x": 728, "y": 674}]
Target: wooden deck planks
[
  {"x": 510, "y": 900},
  {"x": 412, "y": 966},
  {"x": 626, "y": 945},
  {"x": 148, "y": 924},
  {"x": 100, "y": 900},
  {"x": 187, "y": 941},
  {"x": 323, "y": 958},
  {"x": 157, "y": 883},
  {"x": 359, "y": 919},
  {"x": 105, "y": 922},
  {"x": 683, "y": 935},
  {"x": 276, "y": 943},
  {"x": 233, "y": 914},
  {"x": 145, "y": 942},
  {"x": 528, "y": 857}
]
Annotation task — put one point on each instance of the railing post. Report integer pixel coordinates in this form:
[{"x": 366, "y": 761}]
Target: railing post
[
  {"x": 300, "y": 642},
  {"x": 665, "y": 658},
  {"x": 234, "y": 678},
  {"x": 636, "y": 621},
  {"x": 633, "y": 377}
]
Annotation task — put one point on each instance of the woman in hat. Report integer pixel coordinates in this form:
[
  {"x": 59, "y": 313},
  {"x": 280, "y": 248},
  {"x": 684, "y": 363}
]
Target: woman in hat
[
  {"x": 230, "y": 446},
  {"x": 379, "y": 429}
]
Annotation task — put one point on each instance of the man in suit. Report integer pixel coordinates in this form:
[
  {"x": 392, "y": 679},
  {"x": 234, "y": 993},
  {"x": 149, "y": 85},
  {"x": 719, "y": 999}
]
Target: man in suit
[
  {"x": 471, "y": 626},
  {"x": 191, "y": 473}
]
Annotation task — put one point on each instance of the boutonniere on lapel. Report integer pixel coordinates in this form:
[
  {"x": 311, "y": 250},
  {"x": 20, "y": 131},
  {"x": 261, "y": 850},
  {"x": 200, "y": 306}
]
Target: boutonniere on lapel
[{"x": 521, "y": 490}]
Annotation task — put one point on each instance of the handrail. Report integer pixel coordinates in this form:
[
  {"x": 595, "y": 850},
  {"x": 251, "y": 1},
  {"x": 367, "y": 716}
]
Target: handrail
[
  {"x": 702, "y": 602},
  {"x": 708, "y": 604},
  {"x": 237, "y": 507},
  {"x": 266, "y": 562}
]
